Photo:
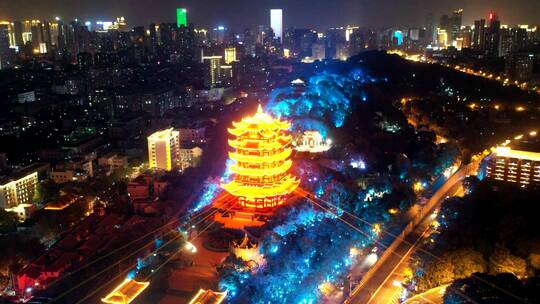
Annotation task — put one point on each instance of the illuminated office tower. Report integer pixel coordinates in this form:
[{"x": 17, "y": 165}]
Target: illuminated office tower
[
  {"x": 442, "y": 38},
  {"x": 230, "y": 55},
  {"x": 4, "y": 44},
  {"x": 212, "y": 70},
  {"x": 181, "y": 17},
  {"x": 36, "y": 36},
  {"x": 318, "y": 51},
  {"x": 276, "y": 22},
  {"x": 455, "y": 24},
  {"x": 164, "y": 149},
  {"x": 479, "y": 35},
  {"x": 493, "y": 36},
  {"x": 17, "y": 33}
]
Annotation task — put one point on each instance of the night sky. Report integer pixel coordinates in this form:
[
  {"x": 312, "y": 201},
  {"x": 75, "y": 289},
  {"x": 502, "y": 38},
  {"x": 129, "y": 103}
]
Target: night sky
[{"x": 238, "y": 14}]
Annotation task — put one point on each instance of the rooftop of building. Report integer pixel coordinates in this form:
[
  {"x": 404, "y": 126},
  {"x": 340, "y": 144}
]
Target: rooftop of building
[
  {"x": 208, "y": 297},
  {"x": 161, "y": 135},
  {"x": 125, "y": 292},
  {"x": 62, "y": 202},
  {"x": 529, "y": 143},
  {"x": 109, "y": 155},
  {"x": 34, "y": 168}
]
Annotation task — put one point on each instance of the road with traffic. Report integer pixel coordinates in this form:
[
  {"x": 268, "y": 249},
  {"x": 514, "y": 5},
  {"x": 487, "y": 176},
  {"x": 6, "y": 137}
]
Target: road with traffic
[{"x": 378, "y": 286}]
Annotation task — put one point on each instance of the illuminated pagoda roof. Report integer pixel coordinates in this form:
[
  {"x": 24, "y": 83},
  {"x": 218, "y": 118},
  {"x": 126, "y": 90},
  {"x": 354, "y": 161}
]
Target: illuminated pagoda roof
[
  {"x": 260, "y": 122},
  {"x": 262, "y": 148},
  {"x": 208, "y": 297},
  {"x": 126, "y": 292}
]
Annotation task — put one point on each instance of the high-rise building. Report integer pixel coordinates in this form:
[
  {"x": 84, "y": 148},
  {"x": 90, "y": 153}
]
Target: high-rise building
[
  {"x": 218, "y": 34},
  {"x": 84, "y": 61},
  {"x": 493, "y": 36},
  {"x": 455, "y": 24},
  {"x": 164, "y": 149},
  {"x": 520, "y": 66},
  {"x": 181, "y": 17},
  {"x": 17, "y": 33},
  {"x": 276, "y": 23},
  {"x": 230, "y": 55},
  {"x": 212, "y": 70},
  {"x": 349, "y": 30},
  {"x": 36, "y": 36},
  {"x": 479, "y": 35},
  {"x": 467, "y": 36},
  {"x": 4, "y": 45},
  {"x": 342, "y": 52},
  {"x": 444, "y": 24},
  {"x": 505, "y": 42},
  {"x": 250, "y": 43},
  {"x": 442, "y": 38},
  {"x": 318, "y": 51},
  {"x": 519, "y": 38}
]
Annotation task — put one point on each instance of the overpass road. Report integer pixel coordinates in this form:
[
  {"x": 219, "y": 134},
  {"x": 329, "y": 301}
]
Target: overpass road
[{"x": 379, "y": 286}]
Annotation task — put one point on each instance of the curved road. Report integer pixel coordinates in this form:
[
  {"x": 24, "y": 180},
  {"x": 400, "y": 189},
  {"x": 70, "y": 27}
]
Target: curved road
[{"x": 380, "y": 286}]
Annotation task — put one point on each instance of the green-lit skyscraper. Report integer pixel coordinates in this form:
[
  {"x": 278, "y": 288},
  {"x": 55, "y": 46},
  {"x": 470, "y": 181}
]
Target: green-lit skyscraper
[{"x": 181, "y": 17}]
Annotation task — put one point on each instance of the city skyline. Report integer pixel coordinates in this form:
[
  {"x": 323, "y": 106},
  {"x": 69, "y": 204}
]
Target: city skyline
[{"x": 240, "y": 14}]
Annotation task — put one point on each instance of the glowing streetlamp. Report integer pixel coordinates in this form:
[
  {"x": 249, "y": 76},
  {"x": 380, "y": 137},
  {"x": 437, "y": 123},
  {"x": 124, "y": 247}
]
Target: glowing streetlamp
[{"x": 190, "y": 247}]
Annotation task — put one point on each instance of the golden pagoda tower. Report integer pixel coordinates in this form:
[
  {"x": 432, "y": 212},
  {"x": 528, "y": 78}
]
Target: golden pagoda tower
[{"x": 262, "y": 155}]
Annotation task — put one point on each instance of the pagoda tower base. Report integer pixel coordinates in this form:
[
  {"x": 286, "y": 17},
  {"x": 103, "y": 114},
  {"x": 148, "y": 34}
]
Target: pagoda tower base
[{"x": 239, "y": 217}]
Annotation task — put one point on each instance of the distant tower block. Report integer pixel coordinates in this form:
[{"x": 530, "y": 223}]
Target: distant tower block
[
  {"x": 276, "y": 23},
  {"x": 262, "y": 151}
]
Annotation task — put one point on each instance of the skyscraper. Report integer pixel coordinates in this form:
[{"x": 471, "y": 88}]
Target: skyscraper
[
  {"x": 181, "y": 17},
  {"x": 164, "y": 149},
  {"x": 230, "y": 55},
  {"x": 212, "y": 71},
  {"x": 17, "y": 33},
  {"x": 479, "y": 36},
  {"x": 493, "y": 36},
  {"x": 455, "y": 24},
  {"x": 276, "y": 23},
  {"x": 4, "y": 44}
]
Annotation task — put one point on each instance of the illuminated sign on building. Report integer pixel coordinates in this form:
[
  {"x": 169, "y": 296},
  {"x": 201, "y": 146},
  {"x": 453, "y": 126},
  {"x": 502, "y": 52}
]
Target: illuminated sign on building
[
  {"x": 181, "y": 17},
  {"x": 276, "y": 22}
]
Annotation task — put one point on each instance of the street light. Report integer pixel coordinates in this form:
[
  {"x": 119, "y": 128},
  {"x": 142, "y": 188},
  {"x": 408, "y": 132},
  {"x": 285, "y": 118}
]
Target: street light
[{"x": 190, "y": 247}]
